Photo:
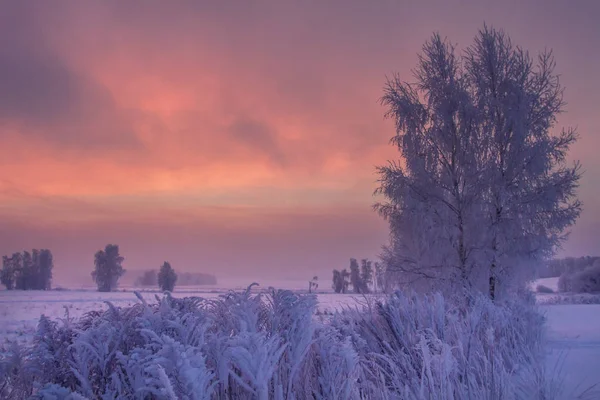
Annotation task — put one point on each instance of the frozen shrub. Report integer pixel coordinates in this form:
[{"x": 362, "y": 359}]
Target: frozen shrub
[
  {"x": 270, "y": 345},
  {"x": 543, "y": 289},
  {"x": 564, "y": 282},
  {"x": 587, "y": 281},
  {"x": 581, "y": 281}
]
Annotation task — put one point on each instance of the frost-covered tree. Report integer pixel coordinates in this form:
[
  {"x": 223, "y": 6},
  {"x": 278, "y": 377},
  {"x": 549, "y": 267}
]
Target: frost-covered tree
[
  {"x": 433, "y": 206},
  {"x": 166, "y": 277},
  {"x": 531, "y": 197},
  {"x": 108, "y": 268},
  {"x": 483, "y": 188}
]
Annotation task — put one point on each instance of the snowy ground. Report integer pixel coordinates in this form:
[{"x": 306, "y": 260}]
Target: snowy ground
[
  {"x": 574, "y": 339},
  {"x": 21, "y": 310},
  {"x": 574, "y": 329}
]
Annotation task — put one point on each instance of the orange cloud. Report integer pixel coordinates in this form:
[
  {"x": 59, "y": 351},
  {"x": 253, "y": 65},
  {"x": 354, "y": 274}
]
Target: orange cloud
[{"x": 259, "y": 120}]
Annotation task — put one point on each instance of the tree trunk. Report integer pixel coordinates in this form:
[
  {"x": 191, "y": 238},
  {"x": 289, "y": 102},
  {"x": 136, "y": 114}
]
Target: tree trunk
[{"x": 492, "y": 288}]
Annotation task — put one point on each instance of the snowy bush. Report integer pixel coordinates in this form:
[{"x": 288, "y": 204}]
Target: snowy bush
[
  {"x": 581, "y": 281},
  {"x": 270, "y": 345}
]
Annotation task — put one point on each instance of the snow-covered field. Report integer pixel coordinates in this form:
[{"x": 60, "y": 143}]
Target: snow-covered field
[
  {"x": 21, "y": 310},
  {"x": 574, "y": 329},
  {"x": 574, "y": 341}
]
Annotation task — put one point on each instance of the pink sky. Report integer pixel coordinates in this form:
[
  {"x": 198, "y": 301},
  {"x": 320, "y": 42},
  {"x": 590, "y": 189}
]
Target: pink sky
[{"x": 237, "y": 138}]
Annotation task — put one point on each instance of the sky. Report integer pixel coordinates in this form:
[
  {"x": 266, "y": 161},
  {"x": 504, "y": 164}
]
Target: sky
[{"x": 237, "y": 138}]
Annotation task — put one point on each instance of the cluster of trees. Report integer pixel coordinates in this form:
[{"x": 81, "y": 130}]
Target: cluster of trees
[
  {"x": 109, "y": 269},
  {"x": 33, "y": 271},
  {"x": 579, "y": 275},
  {"x": 484, "y": 191},
  {"x": 363, "y": 278},
  {"x": 27, "y": 271},
  {"x": 559, "y": 266}
]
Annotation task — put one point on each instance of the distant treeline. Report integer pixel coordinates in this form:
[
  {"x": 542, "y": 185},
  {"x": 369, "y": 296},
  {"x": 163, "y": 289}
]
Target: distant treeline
[
  {"x": 364, "y": 278},
  {"x": 27, "y": 271},
  {"x": 150, "y": 278},
  {"x": 559, "y": 266}
]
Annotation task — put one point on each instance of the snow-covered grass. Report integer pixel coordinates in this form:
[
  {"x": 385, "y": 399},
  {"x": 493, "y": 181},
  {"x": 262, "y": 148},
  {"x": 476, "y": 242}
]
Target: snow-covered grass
[
  {"x": 20, "y": 310},
  {"x": 272, "y": 346},
  {"x": 573, "y": 333}
]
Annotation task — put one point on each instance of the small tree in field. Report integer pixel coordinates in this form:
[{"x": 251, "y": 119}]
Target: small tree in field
[
  {"x": 313, "y": 284},
  {"x": 108, "y": 268},
  {"x": 166, "y": 277},
  {"x": 483, "y": 189}
]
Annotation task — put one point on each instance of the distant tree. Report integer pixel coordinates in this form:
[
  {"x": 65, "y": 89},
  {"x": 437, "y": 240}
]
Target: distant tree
[
  {"x": 8, "y": 276},
  {"x": 345, "y": 276},
  {"x": 581, "y": 275},
  {"x": 483, "y": 189},
  {"x": 358, "y": 285},
  {"x": 166, "y": 277},
  {"x": 366, "y": 275},
  {"x": 148, "y": 278},
  {"x": 108, "y": 268},
  {"x": 341, "y": 280},
  {"x": 45, "y": 261},
  {"x": 559, "y": 266},
  {"x": 23, "y": 269},
  {"x": 338, "y": 284},
  {"x": 313, "y": 284},
  {"x": 380, "y": 278}
]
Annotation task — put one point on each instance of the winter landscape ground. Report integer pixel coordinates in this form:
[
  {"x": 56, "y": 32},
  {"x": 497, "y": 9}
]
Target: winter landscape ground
[{"x": 573, "y": 353}]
